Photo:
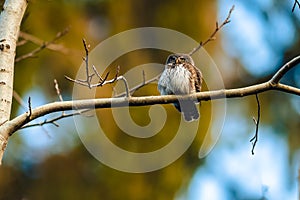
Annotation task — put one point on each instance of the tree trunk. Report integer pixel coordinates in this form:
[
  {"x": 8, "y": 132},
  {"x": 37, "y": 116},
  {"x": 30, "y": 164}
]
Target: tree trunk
[{"x": 10, "y": 21}]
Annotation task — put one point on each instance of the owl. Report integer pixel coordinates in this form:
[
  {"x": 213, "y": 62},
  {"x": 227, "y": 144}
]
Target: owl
[{"x": 181, "y": 77}]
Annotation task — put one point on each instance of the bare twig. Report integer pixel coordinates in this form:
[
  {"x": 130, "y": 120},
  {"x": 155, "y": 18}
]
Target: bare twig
[
  {"x": 29, "y": 112},
  {"x": 54, "y": 120},
  {"x": 1, "y": 125},
  {"x": 21, "y": 42},
  {"x": 88, "y": 81},
  {"x": 26, "y": 37},
  {"x": 280, "y": 73},
  {"x": 19, "y": 99},
  {"x": 125, "y": 84},
  {"x": 42, "y": 46},
  {"x": 212, "y": 36},
  {"x": 86, "y": 59},
  {"x": 295, "y": 4},
  {"x": 132, "y": 90},
  {"x": 144, "y": 77},
  {"x": 102, "y": 81},
  {"x": 56, "y": 86},
  {"x": 97, "y": 73},
  {"x": 80, "y": 82},
  {"x": 256, "y": 122}
]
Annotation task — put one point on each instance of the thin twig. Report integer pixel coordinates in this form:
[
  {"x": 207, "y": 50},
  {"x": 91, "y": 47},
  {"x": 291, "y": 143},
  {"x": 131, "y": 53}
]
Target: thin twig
[
  {"x": 125, "y": 84},
  {"x": 144, "y": 77},
  {"x": 88, "y": 81},
  {"x": 19, "y": 99},
  {"x": 256, "y": 122},
  {"x": 2, "y": 124},
  {"x": 295, "y": 4},
  {"x": 29, "y": 112},
  {"x": 80, "y": 82},
  {"x": 282, "y": 71},
  {"x": 26, "y": 37},
  {"x": 21, "y": 42},
  {"x": 102, "y": 81},
  {"x": 54, "y": 120},
  {"x": 97, "y": 73},
  {"x": 132, "y": 90},
  {"x": 42, "y": 46},
  {"x": 86, "y": 60},
  {"x": 56, "y": 86},
  {"x": 212, "y": 36}
]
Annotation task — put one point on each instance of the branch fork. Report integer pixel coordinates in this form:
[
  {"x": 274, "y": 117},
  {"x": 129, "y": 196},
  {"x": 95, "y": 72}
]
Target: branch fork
[{"x": 101, "y": 81}]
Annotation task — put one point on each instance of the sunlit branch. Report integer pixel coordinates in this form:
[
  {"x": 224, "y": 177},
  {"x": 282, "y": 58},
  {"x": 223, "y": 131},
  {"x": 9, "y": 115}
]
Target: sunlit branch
[{"x": 23, "y": 119}]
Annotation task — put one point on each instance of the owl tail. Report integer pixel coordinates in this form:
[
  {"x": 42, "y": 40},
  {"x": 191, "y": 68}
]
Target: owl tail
[{"x": 189, "y": 110}]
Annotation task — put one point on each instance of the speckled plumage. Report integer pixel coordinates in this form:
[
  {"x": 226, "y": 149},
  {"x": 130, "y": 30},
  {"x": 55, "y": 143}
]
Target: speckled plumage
[{"x": 181, "y": 77}]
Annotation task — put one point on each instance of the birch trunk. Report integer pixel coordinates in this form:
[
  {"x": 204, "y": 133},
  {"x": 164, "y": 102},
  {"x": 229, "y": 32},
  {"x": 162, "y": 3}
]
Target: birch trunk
[{"x": 10, "y": 21}]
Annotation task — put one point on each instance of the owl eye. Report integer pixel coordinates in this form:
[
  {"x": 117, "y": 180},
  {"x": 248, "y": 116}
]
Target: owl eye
[{"x": 171, "y": 59}]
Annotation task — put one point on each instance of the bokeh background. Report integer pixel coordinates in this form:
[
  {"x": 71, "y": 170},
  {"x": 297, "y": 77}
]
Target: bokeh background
[{"x": 51, "y": 163}]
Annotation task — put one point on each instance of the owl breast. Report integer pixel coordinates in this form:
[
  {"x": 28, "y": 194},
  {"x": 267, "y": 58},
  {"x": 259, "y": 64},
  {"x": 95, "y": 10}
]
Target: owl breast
[{"x": 175, "y": 80}]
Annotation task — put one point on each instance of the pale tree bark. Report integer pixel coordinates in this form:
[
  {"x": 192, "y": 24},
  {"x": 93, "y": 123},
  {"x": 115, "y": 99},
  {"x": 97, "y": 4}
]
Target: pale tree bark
[{"x": 10, "y": 21}]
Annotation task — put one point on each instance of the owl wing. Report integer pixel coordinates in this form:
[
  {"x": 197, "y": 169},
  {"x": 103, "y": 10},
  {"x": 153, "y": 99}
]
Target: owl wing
[
  {"x": 162, "y": 83},
  {"x": 198, "y": 80},
  {"x": 195, "y": 78}
]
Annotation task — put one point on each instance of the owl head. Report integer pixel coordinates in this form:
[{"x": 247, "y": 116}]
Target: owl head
[{"x": 179, "y": 58}]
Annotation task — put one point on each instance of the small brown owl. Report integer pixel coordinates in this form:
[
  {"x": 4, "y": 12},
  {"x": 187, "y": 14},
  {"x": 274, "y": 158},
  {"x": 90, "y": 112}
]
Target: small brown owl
[{"x": 181, "y": 77}]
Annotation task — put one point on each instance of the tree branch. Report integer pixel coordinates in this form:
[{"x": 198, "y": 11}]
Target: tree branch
[
  {"x": 18, "y": 99},
  {"x": 283, "y": 70},
  {"x": 29, "y": 112},
  {"x": 132, "y": 90},
  {"x": 22, "y": 120},
  {"x": 295, "y": 4},
  {"x": 42, "y": 46},
  {"x": 55, "y": 119},
  {"x": 256, "y": 122},
  {"x": 102, "y": 81},
  {"x": 52, "y": 46},
  {"x": 212, "y": 36}
]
